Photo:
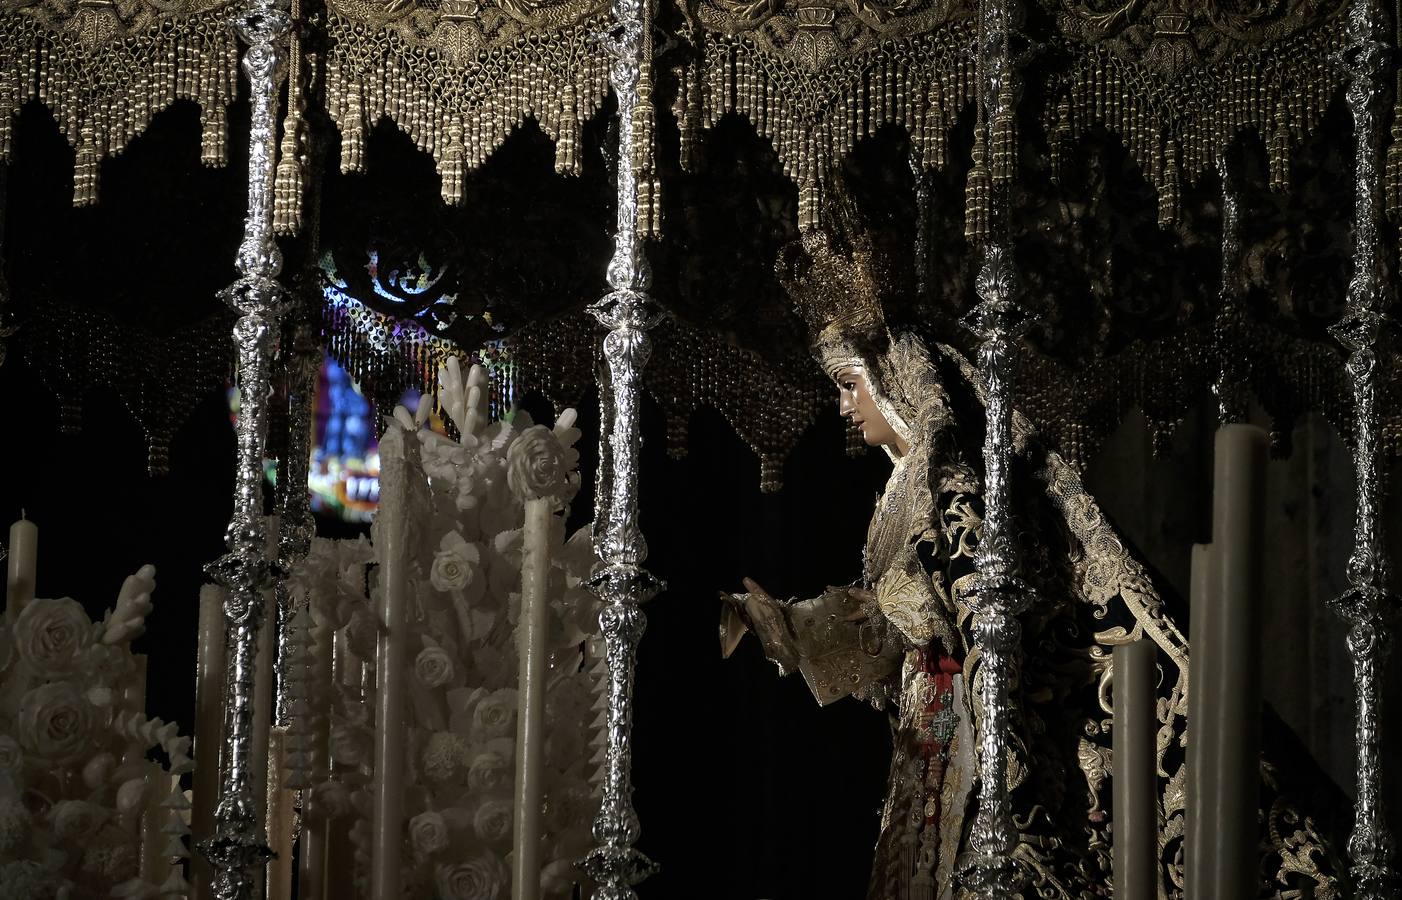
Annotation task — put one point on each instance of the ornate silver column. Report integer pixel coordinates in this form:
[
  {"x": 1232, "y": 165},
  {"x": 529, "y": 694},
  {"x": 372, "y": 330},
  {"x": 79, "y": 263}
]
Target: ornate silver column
[
  {"x": 238, "y": 848},
  {"x": 998, "y": 595},
  {"x": 1368, "y": 606},
  {"x": 620, "y": 581}
]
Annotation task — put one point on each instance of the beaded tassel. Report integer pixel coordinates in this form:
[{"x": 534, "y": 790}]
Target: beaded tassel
[
  {"x": 1004, "y": 139},
  {"x": 287, "y": 185},
  {"x": 976, "y": 198},
  {"x": 1169, "y": 187}
]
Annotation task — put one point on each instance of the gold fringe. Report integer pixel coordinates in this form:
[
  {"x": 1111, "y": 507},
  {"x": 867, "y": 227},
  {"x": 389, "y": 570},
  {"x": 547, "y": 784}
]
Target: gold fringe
[
  {"x": 923, "y": 90},
  {"x": 459, "y": 112},
  {"x": 1281, "y": 95},
  {"x": 103, "y": 96}
]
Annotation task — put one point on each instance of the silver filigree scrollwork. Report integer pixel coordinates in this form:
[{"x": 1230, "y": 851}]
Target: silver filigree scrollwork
[
  {"x": 998, "y": 595},
  {"x": 238, "y": 848},
  {"x": 619, "y": 580},
  {"x": 1368, "y": 605}
]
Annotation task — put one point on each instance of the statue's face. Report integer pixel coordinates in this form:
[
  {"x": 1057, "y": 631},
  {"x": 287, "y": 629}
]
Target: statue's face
[{"x": 855, "y": 402}]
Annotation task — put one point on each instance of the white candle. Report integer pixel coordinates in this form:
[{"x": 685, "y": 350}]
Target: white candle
[
  {"x": 391, "y": 667},
  {"x": 1198, "y": 851},
  {"x": 209, "y": 728},
  {"x": 280, "y": 836},
  {"x": 1136, "y": 819},
  {"x": 1233, "y": 707},
  {"x": 311, "y": 881},
  {"x": 348, "y": 670},
  {"x": 154, "y": 866},
  {"x": 23, "y": 554},
  {"x": 530, "y": 721}
]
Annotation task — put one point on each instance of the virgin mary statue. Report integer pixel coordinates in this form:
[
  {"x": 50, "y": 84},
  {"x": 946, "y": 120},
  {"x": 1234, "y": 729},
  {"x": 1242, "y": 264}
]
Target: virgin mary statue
[{"x": 901, "y": 638}]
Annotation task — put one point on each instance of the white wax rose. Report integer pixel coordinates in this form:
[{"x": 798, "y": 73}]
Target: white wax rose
[
  {"x": 55, "y": 722},
  {"x": 484, "y": 877},
  {"x": 461, "y": 702},
  {"x": 455, "y": 563},
  {"x": 495, "y": 715},
  {"x": 51, "y": 635},
  {"x": 433, "y": 667},
  {"x": 76, "y": 820},
  {"x": 539, "y": 466},
  {"x": 492, "y": 821},
  {"x": 428, "y": 833},
  {"x": 535, "y": 464},
  {"x": 489, "y": 771}
]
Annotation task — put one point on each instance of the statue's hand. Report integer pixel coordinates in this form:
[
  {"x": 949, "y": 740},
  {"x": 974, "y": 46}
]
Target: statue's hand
[
  {"x": 767, "y": 620},
  {"x": 864, "y": 601}
]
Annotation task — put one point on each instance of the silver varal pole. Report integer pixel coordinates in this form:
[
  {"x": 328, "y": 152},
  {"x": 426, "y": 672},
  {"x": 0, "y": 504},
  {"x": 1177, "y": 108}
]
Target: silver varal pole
[
  {"x": 238, "y": 848},
  {"x": 1367, "y": 605},
  {"x": 620, "y": 581},
  {"x": 987, "y": 868}
]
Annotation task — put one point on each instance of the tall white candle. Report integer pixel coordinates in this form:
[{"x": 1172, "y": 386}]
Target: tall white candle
[
  {"x": 280, "y": 813},
  {"x": 154, "y": 866},
  {"x": 1136, "y": 819},
  {"x": 23, "y": 555},
  {"x": 1198, "y": 850},
  {"x": 530, "y": 721},
  {"x": 391, "y": 667},
  {"x": 209, "y": 728},
  {"x": 314, "y": 859},
  {"x": 348, "y": 670},
  {"x": 1233, "y": 707}
]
